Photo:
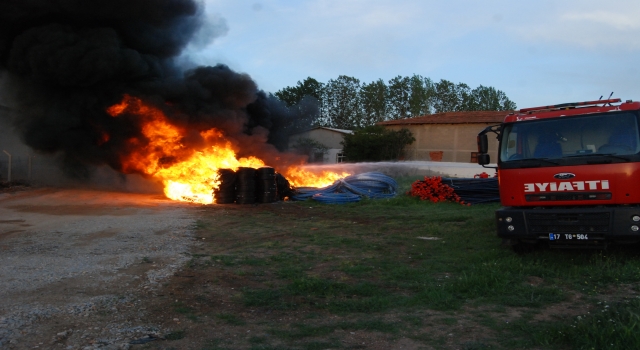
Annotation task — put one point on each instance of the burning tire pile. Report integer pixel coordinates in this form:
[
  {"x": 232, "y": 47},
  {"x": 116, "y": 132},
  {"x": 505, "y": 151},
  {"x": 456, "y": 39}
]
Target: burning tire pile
[
  {"x": 249, "y": 186},
  {"x": 264, "y": 185},
  {"x": 352, "y": 188},
  {"x": 266, "y": 189},
  {"x": 226, "y": 191}
]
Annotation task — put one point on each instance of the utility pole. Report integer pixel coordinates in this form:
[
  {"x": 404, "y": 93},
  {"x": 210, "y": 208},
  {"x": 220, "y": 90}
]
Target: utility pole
[
  {"x": 31, "y": 156},
  {"x": 9, "y": 172}
]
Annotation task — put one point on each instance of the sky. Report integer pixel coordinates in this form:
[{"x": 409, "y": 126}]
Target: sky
[{"x": 538, "y": 52}]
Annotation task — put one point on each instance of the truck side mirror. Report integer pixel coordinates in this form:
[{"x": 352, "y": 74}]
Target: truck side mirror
[
  {"x": 483, "y": 144},
  {"x": 483, "y": 158}
]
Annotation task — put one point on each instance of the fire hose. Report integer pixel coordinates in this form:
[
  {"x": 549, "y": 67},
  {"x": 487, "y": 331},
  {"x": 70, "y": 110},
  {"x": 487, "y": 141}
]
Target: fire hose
[{"x": 351, "y": 189}]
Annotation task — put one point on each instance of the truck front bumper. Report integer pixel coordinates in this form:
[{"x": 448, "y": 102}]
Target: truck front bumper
[{"x": 585, "y": 226}]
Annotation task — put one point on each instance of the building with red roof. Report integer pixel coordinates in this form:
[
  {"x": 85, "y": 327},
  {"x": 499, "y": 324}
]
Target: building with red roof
[{"x": 449, "y": 136}]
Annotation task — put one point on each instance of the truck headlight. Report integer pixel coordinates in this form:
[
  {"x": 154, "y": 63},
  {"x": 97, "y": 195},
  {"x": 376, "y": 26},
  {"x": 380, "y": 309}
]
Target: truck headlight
[
  {"x": 635, "y": 218},
  {"x": 511, "y": 228},
  {"x": 635, "y": 228},
  {"x": 508, "y": 219}
]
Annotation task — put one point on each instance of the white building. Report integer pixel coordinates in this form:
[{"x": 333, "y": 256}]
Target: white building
[{"x": 328, "y": 137}]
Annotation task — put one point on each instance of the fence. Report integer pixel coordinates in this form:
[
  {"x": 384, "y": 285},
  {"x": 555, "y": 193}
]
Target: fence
[{"x": 29, "y": 168}]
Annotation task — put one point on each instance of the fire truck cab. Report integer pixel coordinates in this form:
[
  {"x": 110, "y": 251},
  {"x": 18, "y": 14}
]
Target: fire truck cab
[{"x": 568, "y": 174}]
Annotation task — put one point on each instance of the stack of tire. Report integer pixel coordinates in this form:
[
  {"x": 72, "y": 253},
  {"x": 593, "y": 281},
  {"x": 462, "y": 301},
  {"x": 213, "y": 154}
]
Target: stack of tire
[
  {"x": 226, "y": 191},
  {"x": 266, "y": 187},
  {"x": 283, "y": 187},
  {"x": 246, "y": 185}
]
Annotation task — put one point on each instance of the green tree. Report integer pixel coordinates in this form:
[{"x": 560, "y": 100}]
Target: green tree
[
  {"x": 450, "y": 97},
  {"x": 373, "y": 99},
  {"x": 422, "y": 94},
  {"x": 304, "y": 100},
  {"x": 466, "y": 100},
  {"x": 292, "y": 95},
  {"x": 345, "y": 103},
  {"x": 410, "y": 96},
  {"x": 376, "y": 143},
  {"x": 459, "y": 97},
  {"x": 399, "y": 96},
  {"x": 445, "y": 98},
  {"x": 342, "y": 103},
  {"x": 489, "y": 99}
]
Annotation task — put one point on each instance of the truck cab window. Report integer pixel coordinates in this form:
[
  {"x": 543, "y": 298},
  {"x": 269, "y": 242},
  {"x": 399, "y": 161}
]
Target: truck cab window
[
  {"x": 570, "y": 137},
  {"x": 548, "y": 146},
  {"x": 621, "y": 139}
]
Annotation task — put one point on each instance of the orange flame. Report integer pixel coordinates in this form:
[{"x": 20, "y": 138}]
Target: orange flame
[
  {"x": 189, "y": 174},
  {"x": 299, "y": 177}
]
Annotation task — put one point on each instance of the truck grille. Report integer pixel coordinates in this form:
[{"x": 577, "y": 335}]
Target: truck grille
[
  {"x": 558, "y": 223},
  {"x": 569, "y": 196}
]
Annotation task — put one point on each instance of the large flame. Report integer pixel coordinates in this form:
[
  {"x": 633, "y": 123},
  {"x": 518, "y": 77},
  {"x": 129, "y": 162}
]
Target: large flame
[
  {"x": 299, "y": 177},
  {"x": 190, "y": 174}
]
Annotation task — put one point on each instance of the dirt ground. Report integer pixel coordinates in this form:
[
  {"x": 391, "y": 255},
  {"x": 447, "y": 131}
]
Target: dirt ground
[{"x": 78, "y": 268}]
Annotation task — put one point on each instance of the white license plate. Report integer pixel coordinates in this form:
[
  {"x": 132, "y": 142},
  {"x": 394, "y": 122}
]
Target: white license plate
[{"x": 568, "y": 236}]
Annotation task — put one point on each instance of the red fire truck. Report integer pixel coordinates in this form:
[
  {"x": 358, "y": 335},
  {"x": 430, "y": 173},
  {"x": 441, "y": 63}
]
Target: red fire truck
[{"x": 568, "y": 174}]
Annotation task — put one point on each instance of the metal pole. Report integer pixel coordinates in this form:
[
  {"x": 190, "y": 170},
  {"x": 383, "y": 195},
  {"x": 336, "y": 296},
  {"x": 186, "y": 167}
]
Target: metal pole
[
  {"x": 29, "y": 170},
  {"x": 9, "y": 175}
]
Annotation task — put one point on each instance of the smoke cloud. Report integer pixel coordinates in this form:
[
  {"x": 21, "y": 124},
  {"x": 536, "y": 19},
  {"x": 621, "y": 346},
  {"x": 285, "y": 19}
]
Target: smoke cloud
[{"x": 64, "y": 62}]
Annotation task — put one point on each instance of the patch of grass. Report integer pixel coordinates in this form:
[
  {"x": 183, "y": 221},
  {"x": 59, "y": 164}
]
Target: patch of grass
[
  {"x": 175, "y": 335},
  {"x": 413, "y": 320},
  {"x": 267, "y": 298},
  {"x": 451, "y": 219},
  {"x": 181, "y": 308},
  {"x": 367, "y": 257},
  {"x": 319, "y": 345},
  {"x": 607, "y": 326},
  {"x": 358, "y": 270},
  {"x": 231, "y": 319},
  {"x": 257, "y": 340},
  {"x": 301, "y": 330},
  {"x": 323, "y": 294},
  {"x": 372, "y": 324},
  {"x": 286, "y": 258},
  {"x": 312, "y": 315},
  {"x": 268, "y": 347},
  {"x": 226, "y": 260},
  {"x": 449, "y": 321},
  {"x": 370, "y": 304},
  {"x": 316, "y": 287},
  {"x": 475, "y": 345},
  {"x": 290, "y": 272},
  {"x": 435, "y": 298},
  {"x": 188, "y": 312},
  {"x": 253, "y": 261},
  {"x": 201, "y": 225},
  {"x": 215, "y": 344}
]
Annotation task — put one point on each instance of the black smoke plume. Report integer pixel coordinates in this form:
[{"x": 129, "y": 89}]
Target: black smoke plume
[{"x": 64, "y": 62}]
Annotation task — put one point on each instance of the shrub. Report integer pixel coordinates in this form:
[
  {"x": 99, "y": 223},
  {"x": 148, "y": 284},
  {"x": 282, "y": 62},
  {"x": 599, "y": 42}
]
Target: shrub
[{"x": 376, "y": 143}]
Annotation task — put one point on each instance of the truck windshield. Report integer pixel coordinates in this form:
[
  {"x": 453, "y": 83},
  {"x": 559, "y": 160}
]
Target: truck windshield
[{"x": 611, "y": 134}]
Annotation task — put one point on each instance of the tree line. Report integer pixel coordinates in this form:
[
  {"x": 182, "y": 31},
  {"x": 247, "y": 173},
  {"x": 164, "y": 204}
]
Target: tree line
[{"x": 347, "y": 103}]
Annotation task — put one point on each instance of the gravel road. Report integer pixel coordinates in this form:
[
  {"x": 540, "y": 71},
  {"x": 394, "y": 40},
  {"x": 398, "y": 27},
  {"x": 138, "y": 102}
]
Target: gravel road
[{"x": 74, "y": 264}]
